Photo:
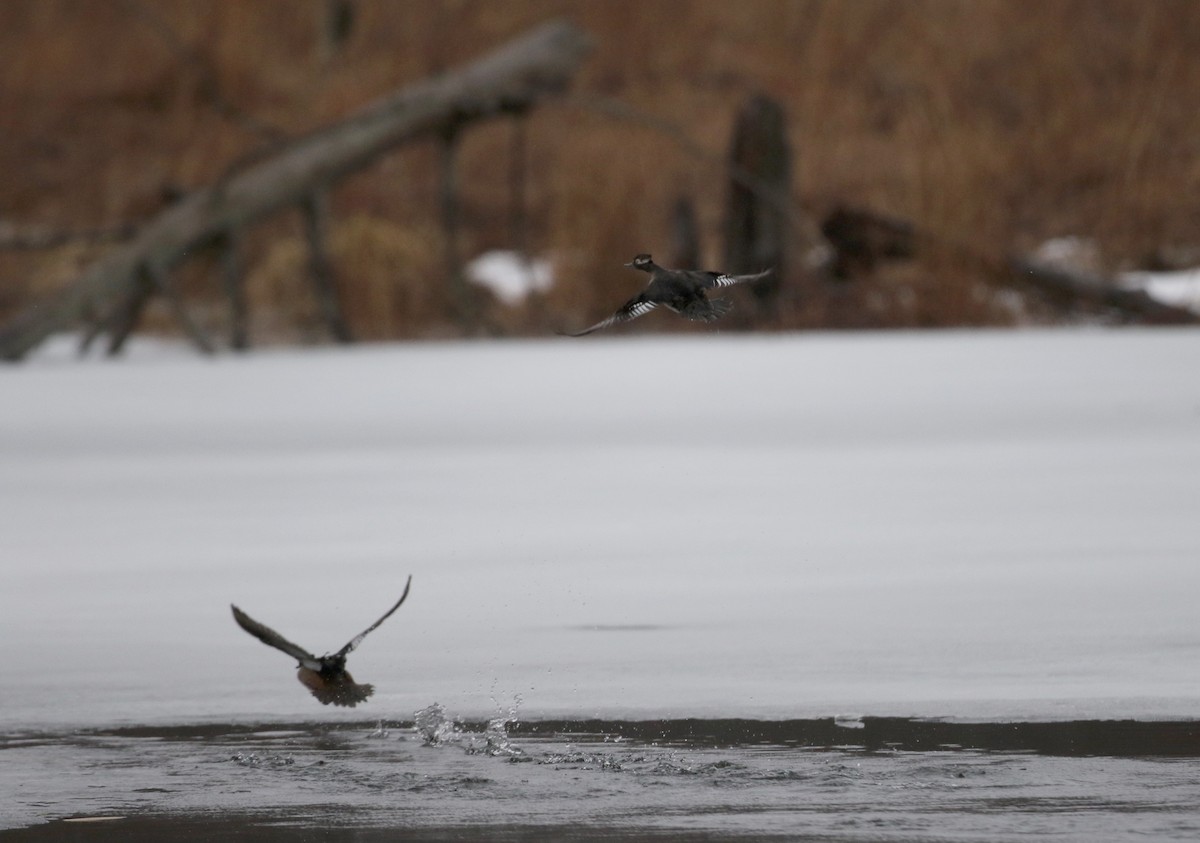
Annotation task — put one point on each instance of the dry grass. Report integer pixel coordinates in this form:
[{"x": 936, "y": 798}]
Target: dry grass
[{"x": 997, "y": 123}]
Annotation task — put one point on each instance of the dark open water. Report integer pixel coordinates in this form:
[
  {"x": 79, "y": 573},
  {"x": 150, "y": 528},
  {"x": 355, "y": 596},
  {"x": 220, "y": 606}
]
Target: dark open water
[{"x": 878, "y": 779}]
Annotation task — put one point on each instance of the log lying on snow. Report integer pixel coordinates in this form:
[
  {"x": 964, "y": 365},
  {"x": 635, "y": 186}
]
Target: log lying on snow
[
  {"x": 1076, "y": 285},
  {"x": 861, "y": 238},
  {"x": 509, "y": 80}
]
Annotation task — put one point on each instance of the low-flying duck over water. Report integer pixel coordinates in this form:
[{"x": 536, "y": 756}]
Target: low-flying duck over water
[
  {"x": 325, "y": 676},
  {"x": 684, "y": 291}
]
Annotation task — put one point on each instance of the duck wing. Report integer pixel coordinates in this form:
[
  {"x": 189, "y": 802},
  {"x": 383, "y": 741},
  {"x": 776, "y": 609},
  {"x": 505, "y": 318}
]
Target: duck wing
[
  {"x": 356, "y": 640},
  {"x": 724, "y": 279},
  {"x": 632, "y": 309},
  {"x": 272, "y": 638}
]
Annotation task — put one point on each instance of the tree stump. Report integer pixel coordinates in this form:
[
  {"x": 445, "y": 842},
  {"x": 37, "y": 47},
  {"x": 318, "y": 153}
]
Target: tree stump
[
  {"x": 685, "y": 235},
  {"x": 756, "y": 228}
]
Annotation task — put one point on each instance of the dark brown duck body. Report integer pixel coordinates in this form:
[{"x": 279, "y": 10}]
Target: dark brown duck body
[{"x": 334, "y": 686}]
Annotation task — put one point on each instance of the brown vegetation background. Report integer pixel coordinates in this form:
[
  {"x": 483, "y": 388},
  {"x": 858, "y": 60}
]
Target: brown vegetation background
[{"x": 993, "y": 123}]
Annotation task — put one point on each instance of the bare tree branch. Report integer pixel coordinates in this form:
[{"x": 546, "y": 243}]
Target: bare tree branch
[{"x": 510, "y": 79}]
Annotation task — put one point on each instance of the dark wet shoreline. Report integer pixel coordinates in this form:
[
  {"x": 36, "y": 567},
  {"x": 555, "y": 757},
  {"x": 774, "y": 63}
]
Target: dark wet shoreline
[
  {"x": 154, "y": 828},
  {"x": 1116, "y": 738},
  {"x": 438, "y": 779}
]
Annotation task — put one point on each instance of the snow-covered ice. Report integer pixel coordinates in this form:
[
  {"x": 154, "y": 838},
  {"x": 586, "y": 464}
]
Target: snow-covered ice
[{"x": 991, "y": 524}]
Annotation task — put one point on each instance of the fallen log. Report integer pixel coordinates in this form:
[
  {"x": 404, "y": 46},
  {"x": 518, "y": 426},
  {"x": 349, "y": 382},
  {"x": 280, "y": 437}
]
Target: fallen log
[
  {"x": 508, "y": 80},
  {"x": 1076, "y": 285},
  {"x": 862, "y": 238}
]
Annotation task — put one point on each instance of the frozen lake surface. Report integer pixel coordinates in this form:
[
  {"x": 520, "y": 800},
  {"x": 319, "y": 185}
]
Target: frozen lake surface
[{"x": 976, "y": 526}]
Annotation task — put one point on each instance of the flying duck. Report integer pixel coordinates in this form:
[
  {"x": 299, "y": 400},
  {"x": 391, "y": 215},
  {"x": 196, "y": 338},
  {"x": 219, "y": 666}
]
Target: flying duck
[
  {"x": 684, "y": 291},
  {"x": 325, "y": 676}
]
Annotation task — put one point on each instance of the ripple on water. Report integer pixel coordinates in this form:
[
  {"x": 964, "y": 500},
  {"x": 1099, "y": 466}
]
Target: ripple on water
[{"x": 441, "y": 772}]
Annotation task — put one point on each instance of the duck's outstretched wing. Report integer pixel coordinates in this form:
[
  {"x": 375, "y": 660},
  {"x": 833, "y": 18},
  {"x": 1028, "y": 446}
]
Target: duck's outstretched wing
[
  {"x": 272, "y": 638},
  {"x": 356, "y": 640},
  {"x": 632, "y": 309},
  {"x": 724, "y": 279}
]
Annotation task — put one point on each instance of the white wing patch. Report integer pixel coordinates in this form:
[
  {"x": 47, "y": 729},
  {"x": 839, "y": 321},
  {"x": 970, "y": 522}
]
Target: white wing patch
[
  {"x": 625, "y": 314},
  {"x": 724, "y": 279},
  {"x": 639, "y": 309}
]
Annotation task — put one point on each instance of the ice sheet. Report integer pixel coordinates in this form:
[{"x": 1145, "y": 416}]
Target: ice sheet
[{"x": 967, "y": 524}]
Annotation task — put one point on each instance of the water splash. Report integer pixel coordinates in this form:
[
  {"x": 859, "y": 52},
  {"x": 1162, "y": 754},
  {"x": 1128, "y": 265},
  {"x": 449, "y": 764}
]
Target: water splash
[
  {"x": 575, "y": 759},
  {"x": 436, "y": 728},
  {"x": 496, "y": 738},
  {"x": 496, "y": 741},
  {"x": 253, "y": 759}
]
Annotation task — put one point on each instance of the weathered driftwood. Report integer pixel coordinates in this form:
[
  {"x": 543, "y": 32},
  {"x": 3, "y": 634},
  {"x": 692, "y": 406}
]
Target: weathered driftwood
[
  {"x": 316, "y": 229},
  {"x": 235, "y": 289},
  {"x": 156, "y": 281},
  {"x": 510, "y": 79}
]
